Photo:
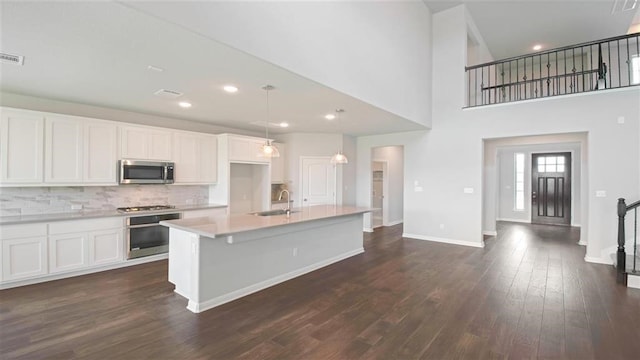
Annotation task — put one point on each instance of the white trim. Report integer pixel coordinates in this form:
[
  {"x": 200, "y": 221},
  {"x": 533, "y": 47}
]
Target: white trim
[
  {"x": 206, "y": 305},
  {"x": 369, "y": 230},
  {"x": 564, "y": 96},
  {"x": 582, "y": 243},
  {"x": 597, "y": 260},
  {"x": 58, "y": 276},
  {"x": 515, "y": 220},
  {"x": 633, "y": 281},
  {"x": 393, "y": 223},
  {"x": 490, "y": 233},
  {"x": 444, "y": 240},
  {"x": 576, "y": 225}
]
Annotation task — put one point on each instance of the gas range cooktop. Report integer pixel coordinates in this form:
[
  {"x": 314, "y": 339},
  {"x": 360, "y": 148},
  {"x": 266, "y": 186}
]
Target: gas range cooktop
[{"x": 145, "y": 208}]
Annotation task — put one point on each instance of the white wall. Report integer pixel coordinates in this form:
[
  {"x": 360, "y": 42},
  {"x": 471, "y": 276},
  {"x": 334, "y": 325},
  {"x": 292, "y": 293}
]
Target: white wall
[
  {"x": 300, "y": 144},
  {"x": 450, "y": 157},
  {"x": 394, "y": 156},
  {"x": 378, "y": 52}
]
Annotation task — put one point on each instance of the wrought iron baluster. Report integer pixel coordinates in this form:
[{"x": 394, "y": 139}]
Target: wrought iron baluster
[
  {"x": 619, "y": 68},
  {"x": 475, "y": 87},
  {"x": 556, "y": 83},
  {"x": 582, "y": 65},
  {"x": 628, "y": 63},
  {"x": 524, "y": 78},
  {"x": 610, "y": 76},
  {"x": 468, "y": 88},
  {"x": 548, "y": 75},
  {"x": 510, "y": 80},
  {"x": 495, "y": 83},
  {"x": 591, "y": 67},
  {"x": 565, "y": 71}
]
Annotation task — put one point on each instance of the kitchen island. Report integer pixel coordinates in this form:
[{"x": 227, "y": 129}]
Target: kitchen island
[{"x": 217, "y": 259}]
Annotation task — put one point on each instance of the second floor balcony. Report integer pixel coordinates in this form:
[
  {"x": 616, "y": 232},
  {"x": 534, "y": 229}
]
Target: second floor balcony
[{"x": 594, "y": 66}]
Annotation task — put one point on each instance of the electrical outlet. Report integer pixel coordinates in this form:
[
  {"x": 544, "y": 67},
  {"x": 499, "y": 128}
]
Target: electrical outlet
[
  {"x": 295, "y": 251},
  {"x": 76, "y": 207}
]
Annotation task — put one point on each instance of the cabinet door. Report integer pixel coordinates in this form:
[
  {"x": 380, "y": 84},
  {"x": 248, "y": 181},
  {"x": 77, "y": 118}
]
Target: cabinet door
[
  {"x": 67, "y": 252},
  {"x": 159, "y": 147},
  {"x": 209, "y": 159},
  {"x": 63, "y": 150},
  {"x": 186, "y": 156},
  {"x": 100, "y": 153},
  {"x": 240, "y": 149},
  {"x": 134, "y": 143},
  {"x": 24, "y": 258},
  {"x": 105, "y": 246},
  {"x": 21, "y": 150}
]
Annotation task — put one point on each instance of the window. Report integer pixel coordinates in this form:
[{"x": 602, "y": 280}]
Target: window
[
  {"x": 519, "y": 181},
  {"x": 554, "y": 164}
]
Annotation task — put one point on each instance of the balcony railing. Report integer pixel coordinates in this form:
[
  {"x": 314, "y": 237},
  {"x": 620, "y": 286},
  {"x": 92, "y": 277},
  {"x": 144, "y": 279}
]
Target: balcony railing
[{"x": 598, "y": 65}]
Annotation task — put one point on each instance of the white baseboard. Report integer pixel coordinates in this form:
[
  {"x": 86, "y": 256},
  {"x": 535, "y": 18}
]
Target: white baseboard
[
  {"x": 444, "y": 240},
  {"x": 633, "y": 281},
  {"x": 217, "y": 301},
  {"x": 367, "y": 229},
  {"x": 582, "y": 243},
  {"x": 58, "y": 276},
  {"x": 392, "y": 223},
  {"x": 597, "y": 260},
  {"x": 515, "y": 220},
  {"x": 576, "y": 225},
  {"x": 490, "y": 233}
]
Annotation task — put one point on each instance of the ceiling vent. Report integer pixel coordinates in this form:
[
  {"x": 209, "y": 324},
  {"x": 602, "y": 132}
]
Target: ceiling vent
[
  {"x": 12, "y": 59},
  {"x": 171, "y": 94}
]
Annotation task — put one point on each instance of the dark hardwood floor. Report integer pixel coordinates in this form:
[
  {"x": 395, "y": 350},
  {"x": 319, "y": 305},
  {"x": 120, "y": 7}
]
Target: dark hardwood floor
[{"x": 527, "y": 294}]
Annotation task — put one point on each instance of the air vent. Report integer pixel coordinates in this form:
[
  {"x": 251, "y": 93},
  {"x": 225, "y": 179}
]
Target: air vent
[
  {"x": 12, "y": 59},
  {"x": 168, "y": 93}
]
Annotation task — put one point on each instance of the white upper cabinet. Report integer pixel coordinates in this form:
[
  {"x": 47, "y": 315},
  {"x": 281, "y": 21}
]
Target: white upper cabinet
[
  {"x": 279, "y": 165},
  {"x": 100, "y": 152},
  {"x": 38, "y": 148},
  {"x": 63, "y": 150},
  {"x": 80, "y": 151},
  {"x": 21, "y": 147},
  {"x": 195, "y": 157},
  {"x": 145, "y": 143},
  {"x": 245, "y": 149}
]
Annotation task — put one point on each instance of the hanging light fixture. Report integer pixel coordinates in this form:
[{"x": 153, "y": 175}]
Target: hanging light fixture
[
  {"x": 268, "y": 149},
  {"x": 339, "y": 158}
]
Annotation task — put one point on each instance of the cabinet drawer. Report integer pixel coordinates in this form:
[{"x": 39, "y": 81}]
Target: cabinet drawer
[
  {"x": 75, "y": 226},
  {"x": 22, "y": 231}
]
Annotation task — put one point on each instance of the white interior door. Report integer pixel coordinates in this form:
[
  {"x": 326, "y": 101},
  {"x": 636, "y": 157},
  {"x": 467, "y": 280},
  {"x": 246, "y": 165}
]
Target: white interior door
[
  {"x": 377, "y": 193},
  {"x": 318, "y": 181}
]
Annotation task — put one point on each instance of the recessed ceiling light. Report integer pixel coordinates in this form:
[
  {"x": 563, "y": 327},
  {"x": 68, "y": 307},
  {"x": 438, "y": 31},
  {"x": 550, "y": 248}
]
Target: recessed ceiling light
[
  {"x": 155, "y": 68},
  {"x": 230, "y": 88},
  {"x": 537, "y": 47},
  {"x": 330, "y": 116},
  {"x": 184, "y": 104},
  {"x": 284, "y": 124}
]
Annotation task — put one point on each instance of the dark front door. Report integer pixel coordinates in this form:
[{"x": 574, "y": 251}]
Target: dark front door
[{"x": 551, "y": 188}]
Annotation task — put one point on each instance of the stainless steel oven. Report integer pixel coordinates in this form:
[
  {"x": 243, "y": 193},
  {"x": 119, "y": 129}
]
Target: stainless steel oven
[{"x": 145, "y": 236}]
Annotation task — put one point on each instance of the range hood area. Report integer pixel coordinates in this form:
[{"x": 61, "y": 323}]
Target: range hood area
[{"x": 249, "y": 188}]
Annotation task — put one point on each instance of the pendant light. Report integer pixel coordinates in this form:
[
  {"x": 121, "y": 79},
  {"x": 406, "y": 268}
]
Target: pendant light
[
  {"x": 268, "y": 149},
  {"x": 339, "y": 158}
]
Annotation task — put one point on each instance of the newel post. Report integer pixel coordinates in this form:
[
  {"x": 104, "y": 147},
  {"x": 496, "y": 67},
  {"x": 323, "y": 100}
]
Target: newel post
[{"x": 622, "y": 257}]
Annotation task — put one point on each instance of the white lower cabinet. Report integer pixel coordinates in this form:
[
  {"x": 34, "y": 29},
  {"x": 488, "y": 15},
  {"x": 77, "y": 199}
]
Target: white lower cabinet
[
  {"x": 93, "y": 242},
  {"x": 105, "y": 246},
  {"x": 67, "y": 252},
  {"x": 24, "y": 258},
  {"x": 23, "y": 251}
]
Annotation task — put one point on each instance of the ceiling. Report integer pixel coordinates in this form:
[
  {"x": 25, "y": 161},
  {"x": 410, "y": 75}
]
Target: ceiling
[
  {"x": 98, "y": 53},
  {"x": 511, "y": 28}
]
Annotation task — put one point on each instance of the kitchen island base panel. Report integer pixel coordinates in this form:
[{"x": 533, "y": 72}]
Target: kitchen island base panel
[{"x": 212, "y": 271}]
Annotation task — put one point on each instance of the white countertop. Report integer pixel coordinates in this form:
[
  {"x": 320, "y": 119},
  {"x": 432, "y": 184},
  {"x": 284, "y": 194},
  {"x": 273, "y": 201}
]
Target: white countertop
[
  {"x": 81, "y": 215},
  {"x": 235, "y": 223}
]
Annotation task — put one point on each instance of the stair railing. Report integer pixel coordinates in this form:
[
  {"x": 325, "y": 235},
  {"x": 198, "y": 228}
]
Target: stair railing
[{"x": 621, "y": 265}]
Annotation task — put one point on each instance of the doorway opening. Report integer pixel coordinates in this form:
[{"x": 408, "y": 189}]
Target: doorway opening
[{"x": 387, "y": 186}]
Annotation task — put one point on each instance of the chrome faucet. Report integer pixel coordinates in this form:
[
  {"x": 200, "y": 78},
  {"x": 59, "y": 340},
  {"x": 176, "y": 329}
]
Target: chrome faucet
[{"x": 288, "y": 209}]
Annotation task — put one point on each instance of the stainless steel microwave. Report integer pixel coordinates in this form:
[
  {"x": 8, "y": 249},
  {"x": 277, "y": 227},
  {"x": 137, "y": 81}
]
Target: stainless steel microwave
[{"x": 145, "y": 172}]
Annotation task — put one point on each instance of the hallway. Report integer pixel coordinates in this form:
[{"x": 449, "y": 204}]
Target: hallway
[{"x": 527, "y": 294}]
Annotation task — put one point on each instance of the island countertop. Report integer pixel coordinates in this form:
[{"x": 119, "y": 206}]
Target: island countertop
[{"x": 219, "y": 226}]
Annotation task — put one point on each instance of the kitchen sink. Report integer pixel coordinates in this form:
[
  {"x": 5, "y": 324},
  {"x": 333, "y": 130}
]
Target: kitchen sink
[{"x": 272, "y": 212}]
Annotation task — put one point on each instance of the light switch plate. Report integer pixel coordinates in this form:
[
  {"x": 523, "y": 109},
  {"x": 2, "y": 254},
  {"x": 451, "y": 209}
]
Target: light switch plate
[
  {"x": 468, "y": 190},
  {"x": 418, "y": 189},
  {"x": 601, "y": 193}
]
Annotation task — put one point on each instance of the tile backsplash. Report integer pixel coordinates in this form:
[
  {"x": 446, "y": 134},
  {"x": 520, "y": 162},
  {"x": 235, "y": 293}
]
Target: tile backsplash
[{"x": 39, "y": 200}]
